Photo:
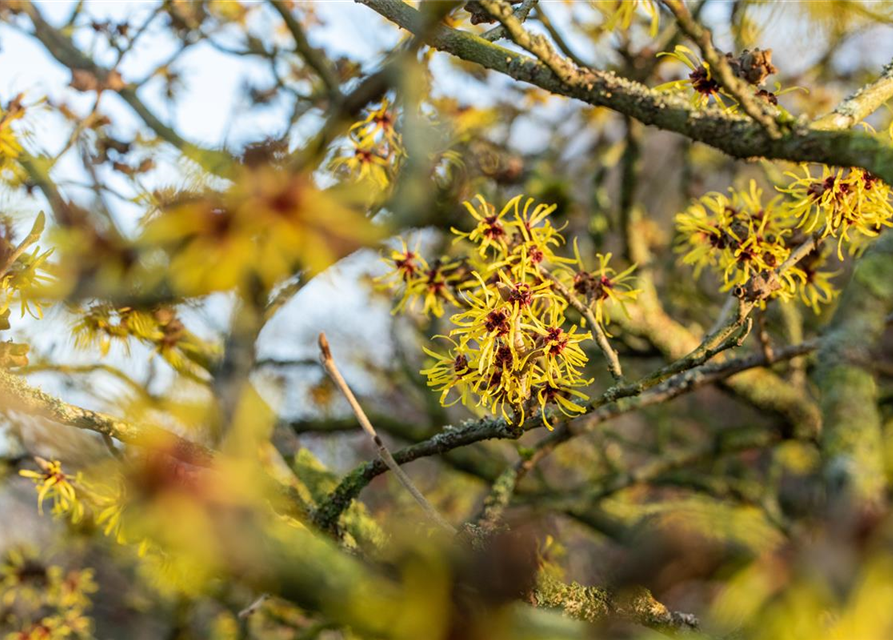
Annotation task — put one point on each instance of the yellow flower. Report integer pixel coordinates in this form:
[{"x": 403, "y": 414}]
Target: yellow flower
[
  {"x": 700, "y": 82},
  {"x": 603, "y": 287},
  {"x": 813, "y": 284},
  {"x": 562, "y": 358},
  {"x": 379, "y": 125},
  {"x": 620, "y": 13},
  {"x": 10, "y": 148},
  {"x": 840, "y": 201},
  {"x": 159, "y": 328},
  {"x": 412, "y": 279},
  {"x": 533, "y": 239},
  {"x": 547, "y": 395},
  {"x": 26, "y": 277},
  {"x": 365, "y": 162},
  {"x": 51, "y": 482},
  {"x": 270, "y": 224},
  {"x": 451, "y": 371},
  {"x": 490, "y": 232}
]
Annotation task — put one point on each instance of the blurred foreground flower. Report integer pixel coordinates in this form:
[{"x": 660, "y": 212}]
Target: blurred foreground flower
[{"x": 267, "y": 226}]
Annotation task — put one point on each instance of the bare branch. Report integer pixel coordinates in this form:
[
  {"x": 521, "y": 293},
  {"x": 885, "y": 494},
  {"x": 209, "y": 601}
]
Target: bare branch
[
  {"x": 18, "y": 395},
  {"x": 736, "y": 135},
  {"x": 313, "y": 57},
  {"x": 521, "y": 13},
  {"x": 860, "y": 105},
  {"x": 61, "y": 47},
  {"x": 384, "y": 453}
]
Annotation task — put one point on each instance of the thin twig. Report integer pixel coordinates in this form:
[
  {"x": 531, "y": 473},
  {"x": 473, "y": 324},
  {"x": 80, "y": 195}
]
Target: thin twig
[
  {"x": 254, "y": 606},
  {"x": 534, "y": 43},
  {"x": 313, "y": 57},
  {"x": 558, "y": 39},
  {"x": 763, "y": 335},
  {"x": 521, "y": 13},
  {"x": 331, "y": 368},
  {"x": 724, "y": 313}
]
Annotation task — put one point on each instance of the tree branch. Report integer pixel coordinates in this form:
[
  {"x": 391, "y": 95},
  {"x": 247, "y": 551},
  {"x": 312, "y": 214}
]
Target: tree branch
[
  {"x": 61, "y": 47},
  {"x": 384, "y": 453},
  {"x": 852, "y": 434},
  {"x": 326, "y": 516},
  {"x": 521, "y": 13},
  {"x": 736, "y": 135},
  {"x": 859, "y": 105},
  {"x": 721, "y": 69},
  {"x": 18, "y": 395},
  {"x": 313, "y": 57}
]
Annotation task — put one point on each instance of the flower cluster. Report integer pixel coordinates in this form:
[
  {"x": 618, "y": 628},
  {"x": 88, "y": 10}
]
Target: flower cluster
[
  {"x": 74, "y": 497},
  {"x": 512, "y": 348},
  {"x": 739, "y": 236},
  {"x": 44, "y": 601},
  {"x": 840, "y": 202},
  {"x": 159, "y": 328},
  {"x": 376, "y": 147}
]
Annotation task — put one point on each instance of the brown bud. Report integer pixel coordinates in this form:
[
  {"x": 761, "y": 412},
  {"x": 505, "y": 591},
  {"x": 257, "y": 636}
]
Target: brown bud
[{"x": 753, "y": 66}]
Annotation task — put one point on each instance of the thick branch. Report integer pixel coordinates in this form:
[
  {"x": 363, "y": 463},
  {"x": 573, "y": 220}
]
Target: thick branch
[
  {"x": 851, "y": 435},
  {"x": 860, "y": 105},
  {"x": 326, "y": 517},
  {"x": 18, "y": 395},
  {"x": 736, "y": 135}
]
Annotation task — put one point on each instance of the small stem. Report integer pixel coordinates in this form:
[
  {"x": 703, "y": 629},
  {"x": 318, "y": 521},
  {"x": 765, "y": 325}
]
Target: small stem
[
  {"x": 763, "y": 335},
  {"x": 521, "y": 13},
  {"x": 254, "y": 606},
  {"x": 332, "y": 369},
  {"x": 601, "y": 339}
]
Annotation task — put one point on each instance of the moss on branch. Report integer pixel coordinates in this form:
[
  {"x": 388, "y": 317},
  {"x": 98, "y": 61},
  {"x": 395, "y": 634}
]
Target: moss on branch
[
  {"x": 736, "y": 135},
  {"x": 18, "y": 395},
  {"x": 852, "y": 434}
]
